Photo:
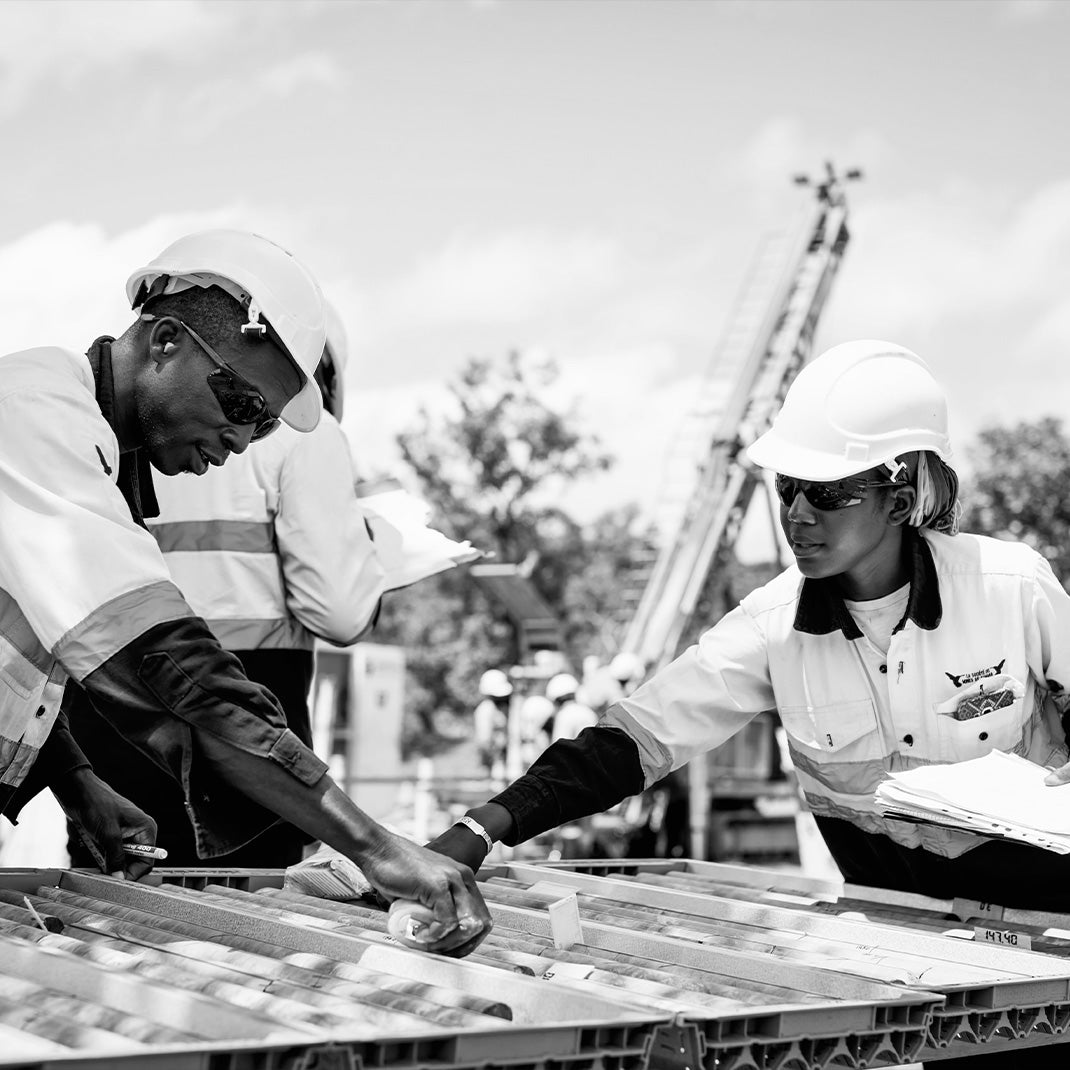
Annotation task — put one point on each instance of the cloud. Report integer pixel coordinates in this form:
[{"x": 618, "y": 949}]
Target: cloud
[
  {"x": 219, "y": 101},
  {"x": 500, "y": 278},
  {"x": 66, "y": 40},
  {"x": 980, "y": 292},
  {"x": 63, "y": 284}
]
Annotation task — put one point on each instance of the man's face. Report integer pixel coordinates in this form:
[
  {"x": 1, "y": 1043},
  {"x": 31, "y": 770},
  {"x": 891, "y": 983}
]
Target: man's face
[{"x": 182, "y": 422}]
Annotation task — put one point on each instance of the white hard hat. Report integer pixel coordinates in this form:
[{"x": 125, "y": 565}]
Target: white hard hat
[
  {"x": 534, "y": 712},
  {"x": 856, "y": 406},
  {"x": 626, "y": 666},
  {"x": 564, "y": 683},
  {"x": 337, "y": 343},
  {"x": 495, "y": 684},
  {"x": 264, "y": 278}
]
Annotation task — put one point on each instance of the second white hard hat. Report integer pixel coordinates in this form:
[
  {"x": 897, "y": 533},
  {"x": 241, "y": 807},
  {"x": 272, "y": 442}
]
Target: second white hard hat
[
  {"x": 266, "y": 280},
  {"x": 337, "y": 341},
  {"x": 626, "y": 666},
  {"x": 495, "y": 684},
  {"x": 856, "y": 406},
  {"x": 561, "y": 685}
]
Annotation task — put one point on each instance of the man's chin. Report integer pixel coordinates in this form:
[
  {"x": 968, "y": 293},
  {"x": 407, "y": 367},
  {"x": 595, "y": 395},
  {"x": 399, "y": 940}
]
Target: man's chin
[{"x": 166, "y": 463}]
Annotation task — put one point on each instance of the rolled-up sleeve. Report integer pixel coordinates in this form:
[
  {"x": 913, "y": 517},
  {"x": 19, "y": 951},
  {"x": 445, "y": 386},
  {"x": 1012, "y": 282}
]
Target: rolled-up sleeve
[{"x": 701, "y": 699}]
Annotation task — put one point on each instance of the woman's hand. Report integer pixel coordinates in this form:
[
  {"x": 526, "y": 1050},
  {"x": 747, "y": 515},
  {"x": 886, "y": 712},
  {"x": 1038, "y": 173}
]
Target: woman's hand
[{"x": 462, "y": 845}]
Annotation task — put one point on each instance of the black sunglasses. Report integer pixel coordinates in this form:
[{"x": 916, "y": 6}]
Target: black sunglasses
[
  {"x": 240, "y": 401},
  {"x": 838, "y": 494}
]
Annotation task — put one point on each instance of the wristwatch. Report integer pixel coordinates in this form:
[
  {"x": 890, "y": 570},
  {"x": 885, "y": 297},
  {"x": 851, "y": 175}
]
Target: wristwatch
[{"x": 473, "y": 825}]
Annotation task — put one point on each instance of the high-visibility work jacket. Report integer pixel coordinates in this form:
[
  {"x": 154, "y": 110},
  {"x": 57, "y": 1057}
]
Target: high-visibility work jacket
[
  {"x": 272, "y": 549},
  {"x": 980, "y": 662},
  {"x": 79, "y": 580},
  {"x": 85, "y": 592}
]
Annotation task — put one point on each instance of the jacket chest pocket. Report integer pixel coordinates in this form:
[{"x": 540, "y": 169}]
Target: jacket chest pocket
[
  {"x": 844, "y": 732},
  {"x": 983, "y": 716}
]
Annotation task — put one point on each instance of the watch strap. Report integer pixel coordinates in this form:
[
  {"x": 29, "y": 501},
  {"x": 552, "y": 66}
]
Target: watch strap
[{"x": 473, "y": 825}]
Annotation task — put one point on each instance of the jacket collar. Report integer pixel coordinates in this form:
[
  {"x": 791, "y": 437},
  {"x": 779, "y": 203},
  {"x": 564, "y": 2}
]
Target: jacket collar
[
  {"x": 821, "y": 609},
  {"x": 135, "y": 472}
]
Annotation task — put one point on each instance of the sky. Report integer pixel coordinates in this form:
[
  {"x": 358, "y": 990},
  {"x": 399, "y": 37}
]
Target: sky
[{"x": 584, "y": 179}]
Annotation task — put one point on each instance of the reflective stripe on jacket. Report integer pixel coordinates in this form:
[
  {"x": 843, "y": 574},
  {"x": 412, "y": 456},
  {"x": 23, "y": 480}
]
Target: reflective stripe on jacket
[
  {"x": 980, "y": 662},
  {"x": 272, "y": 549}
]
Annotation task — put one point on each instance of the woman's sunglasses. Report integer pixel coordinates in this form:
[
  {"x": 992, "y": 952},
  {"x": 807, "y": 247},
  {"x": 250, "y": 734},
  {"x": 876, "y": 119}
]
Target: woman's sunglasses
[
  {"x": 239, "y": 400},
  {"x": 839, "y": 494}
]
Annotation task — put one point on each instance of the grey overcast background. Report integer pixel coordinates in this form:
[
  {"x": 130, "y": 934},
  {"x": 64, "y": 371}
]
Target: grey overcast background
[{"x": 584, "y": 179}]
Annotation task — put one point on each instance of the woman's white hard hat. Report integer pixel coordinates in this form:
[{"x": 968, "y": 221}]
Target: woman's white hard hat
[
  {"x": 495, "y": 684},
  {"x": 266, "y": 280},
  {"x": 858, "y": 405}
]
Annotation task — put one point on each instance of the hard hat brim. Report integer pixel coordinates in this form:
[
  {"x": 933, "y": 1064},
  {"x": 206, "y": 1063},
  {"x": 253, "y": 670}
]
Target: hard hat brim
[
  {"x": 303, "y": 411},
  {"x": 790, "y": 459}
]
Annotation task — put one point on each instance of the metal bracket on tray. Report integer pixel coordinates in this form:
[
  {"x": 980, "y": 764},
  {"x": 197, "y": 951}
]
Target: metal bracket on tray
[{"x": 327, "y": 1057}]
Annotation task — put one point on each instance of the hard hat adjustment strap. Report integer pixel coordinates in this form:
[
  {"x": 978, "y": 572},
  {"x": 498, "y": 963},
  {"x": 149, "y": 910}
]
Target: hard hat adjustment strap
[
  {"x": 254, "y": 326},
  {"x": 894, "y": 466}
]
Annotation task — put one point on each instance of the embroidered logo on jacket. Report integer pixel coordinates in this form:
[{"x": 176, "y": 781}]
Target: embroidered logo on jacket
[
  {"x": 103, "y": 461},
  {"x": 980, "y": 674}
]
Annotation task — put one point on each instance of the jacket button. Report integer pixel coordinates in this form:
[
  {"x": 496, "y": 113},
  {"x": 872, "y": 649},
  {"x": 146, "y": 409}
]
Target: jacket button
[
  {"x": 908, "y": 739},
  {"x": 41, "y": 711},
  {"x": 983, "y": 735},
  {"x": 884, "y": 668}
]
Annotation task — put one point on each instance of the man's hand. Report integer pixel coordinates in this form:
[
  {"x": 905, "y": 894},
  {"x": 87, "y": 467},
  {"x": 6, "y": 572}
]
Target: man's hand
[
  {"x": 107, "y": 821},
  {"x": 1058, "y": 776},
  {"x": 399, "y": 869}
]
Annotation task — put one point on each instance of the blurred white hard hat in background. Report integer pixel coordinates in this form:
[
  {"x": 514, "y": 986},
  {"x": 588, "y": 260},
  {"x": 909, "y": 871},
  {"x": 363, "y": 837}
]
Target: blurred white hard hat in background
[
  {"x": 561, "y": 685},
  {"x": 626, "y": 666},
  {"x": 495, "y": 684}
]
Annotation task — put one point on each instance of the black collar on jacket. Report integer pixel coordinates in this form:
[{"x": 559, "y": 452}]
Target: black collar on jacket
[
  {"x": 821, "y": 609},
  {"x": 135, "y": 472}
]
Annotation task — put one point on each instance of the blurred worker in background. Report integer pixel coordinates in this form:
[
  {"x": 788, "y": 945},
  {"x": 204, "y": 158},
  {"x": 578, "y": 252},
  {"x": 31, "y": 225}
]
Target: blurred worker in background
[
  {"x": 893, "y": 642},
  {"x": 536, "y": 724},
  {"x": 571, "y": 716},
  {"x": 272, "y": 551},
  {"x": 627, "y": 669},
  {"x": 229, "y": 332},
  {"x": 490, "y": 720}
]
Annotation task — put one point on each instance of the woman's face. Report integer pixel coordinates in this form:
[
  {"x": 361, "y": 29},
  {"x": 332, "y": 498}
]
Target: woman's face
[{"x": 860, "y": 542}]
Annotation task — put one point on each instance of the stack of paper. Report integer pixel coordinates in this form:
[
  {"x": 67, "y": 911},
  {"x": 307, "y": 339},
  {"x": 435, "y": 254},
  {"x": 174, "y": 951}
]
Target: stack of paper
[
  {"x": 999, "y": 795},
  {"x": 408, "y": 549}
]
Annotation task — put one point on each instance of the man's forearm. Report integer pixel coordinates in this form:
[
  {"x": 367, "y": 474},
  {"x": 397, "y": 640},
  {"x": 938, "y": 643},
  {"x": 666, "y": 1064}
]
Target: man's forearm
[{"x": 322, "y": 809}]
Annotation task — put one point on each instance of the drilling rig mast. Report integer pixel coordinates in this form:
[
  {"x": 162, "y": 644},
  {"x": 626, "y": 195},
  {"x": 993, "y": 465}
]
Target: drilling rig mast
[{"x": 769, "y": 339}]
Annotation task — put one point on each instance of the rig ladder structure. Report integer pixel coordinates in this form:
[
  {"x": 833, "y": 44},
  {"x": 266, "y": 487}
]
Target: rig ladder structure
[{"x": 769, "y": 339}]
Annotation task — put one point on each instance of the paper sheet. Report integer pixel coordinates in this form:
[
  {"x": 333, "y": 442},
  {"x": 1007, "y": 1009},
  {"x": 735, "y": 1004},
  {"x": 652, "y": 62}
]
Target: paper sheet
[
  {"x": 998, "y": 795},
  {"x": 408, "y": 549}
]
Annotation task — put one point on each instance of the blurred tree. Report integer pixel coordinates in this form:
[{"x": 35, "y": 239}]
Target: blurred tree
[
  {"x": 1019, "y": 489},
  {"x": 492, "y": 468}
]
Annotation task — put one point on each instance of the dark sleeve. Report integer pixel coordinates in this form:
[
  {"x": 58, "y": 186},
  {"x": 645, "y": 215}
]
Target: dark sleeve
[
  {"x": 60, "y": 755},
  {"x": 178, "y": 672},
  {"x": 573, "y": 778}
]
